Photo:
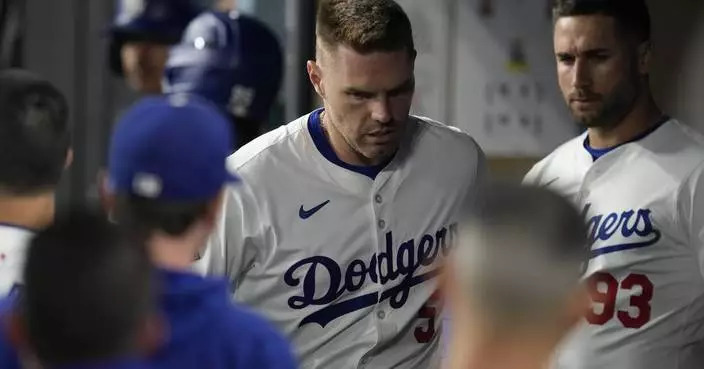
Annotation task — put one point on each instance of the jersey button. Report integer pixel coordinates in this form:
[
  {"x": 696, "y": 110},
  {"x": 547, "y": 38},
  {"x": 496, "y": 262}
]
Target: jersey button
[
  {"x": 381, "y": 314},
  {"x": 382, "y": 223},
  {"x": 378, "y": 199}
]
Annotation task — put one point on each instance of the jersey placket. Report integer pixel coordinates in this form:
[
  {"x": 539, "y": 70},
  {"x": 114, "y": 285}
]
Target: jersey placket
[{"x": 381, "y": 209}]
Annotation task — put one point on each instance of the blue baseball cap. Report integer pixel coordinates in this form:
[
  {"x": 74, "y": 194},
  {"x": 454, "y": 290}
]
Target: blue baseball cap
[
  {"x": 171, "y": 147},
  {"x": 156, "y": 21}
]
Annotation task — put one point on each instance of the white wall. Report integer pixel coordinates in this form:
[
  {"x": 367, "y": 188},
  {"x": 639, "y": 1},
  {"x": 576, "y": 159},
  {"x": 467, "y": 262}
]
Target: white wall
[
  {"x": 465, "y": 77},
  {"x": 462, "y": 55}
]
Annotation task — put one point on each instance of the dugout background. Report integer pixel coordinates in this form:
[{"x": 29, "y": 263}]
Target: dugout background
[{"x": 62, "y": 40}]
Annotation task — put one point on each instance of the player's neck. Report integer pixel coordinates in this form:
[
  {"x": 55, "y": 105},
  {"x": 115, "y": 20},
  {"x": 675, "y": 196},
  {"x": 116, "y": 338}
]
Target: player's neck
[
  {"x": 176, "y": 252},
  {"x": 31, "y": 212},
  {"x": 643, "y": 117},
  {"x": 344, "y": 150}
]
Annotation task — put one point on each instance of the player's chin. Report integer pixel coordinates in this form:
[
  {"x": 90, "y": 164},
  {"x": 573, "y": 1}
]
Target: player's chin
[
  {"x": 144, "y": 82},
  {"x": 587, "y": 120},
  {"x": 380, "y": 151}
]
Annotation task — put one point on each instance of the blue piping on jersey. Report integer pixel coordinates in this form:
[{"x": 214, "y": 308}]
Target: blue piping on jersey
[
  {"x": 323, "y": 145},
  {"x": 597, "y": 153}
]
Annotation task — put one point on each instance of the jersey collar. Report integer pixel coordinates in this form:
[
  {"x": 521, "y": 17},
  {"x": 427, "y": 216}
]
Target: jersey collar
[
  {"x": 597, "y": 153},
  {"x": 323, "y": 145}
]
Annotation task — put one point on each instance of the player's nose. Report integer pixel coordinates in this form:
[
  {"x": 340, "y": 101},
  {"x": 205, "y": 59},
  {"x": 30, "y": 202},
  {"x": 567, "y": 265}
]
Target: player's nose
[
  {"x": 381, "y": 110},
  {"x": 581, "y": 76}
]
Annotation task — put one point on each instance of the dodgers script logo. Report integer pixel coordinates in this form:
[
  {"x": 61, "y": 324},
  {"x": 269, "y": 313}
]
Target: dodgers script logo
[
  {"x": 383, "y": 268},
  {"x": 635, "y": 226}
]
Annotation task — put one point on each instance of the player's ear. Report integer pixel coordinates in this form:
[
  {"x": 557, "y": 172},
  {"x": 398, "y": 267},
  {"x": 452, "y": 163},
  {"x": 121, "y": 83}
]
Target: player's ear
[
  {"x": 315, "y": 76},
  {"x": 153, "y": 334},
  {"x": 644, "y": 57},
  {"x": 214, "y": 208},
  {"x": 107, "y": 197},
  {"x": 69, "y": 158}
]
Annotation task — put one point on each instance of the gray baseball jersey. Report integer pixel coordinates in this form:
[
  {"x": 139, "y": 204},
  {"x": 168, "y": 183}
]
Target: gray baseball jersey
[
  {"x": 13, "y": 248},
  {"x": 342, "y": 261},
  {"x": 644, "y": 204}
]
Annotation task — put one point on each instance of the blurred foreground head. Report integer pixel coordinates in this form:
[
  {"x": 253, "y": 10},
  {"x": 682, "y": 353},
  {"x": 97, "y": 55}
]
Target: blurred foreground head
[
  {"x": 88, "y": 294},
  {"x": 515, "y": 276}
]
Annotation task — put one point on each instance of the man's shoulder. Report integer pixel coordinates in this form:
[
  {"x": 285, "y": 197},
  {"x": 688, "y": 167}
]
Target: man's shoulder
[
  {"x": 436, "y": 134},
  {"x": 442, "y": 130},
  {"x": 562, "y": 156},
  {"x": 686, "y": 142},
  {"x": 277, "y": 143}
]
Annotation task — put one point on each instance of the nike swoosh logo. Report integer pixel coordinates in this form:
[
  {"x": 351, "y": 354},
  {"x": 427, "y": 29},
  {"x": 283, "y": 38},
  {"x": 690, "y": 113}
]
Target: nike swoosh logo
[{"x": 305, "y": 214}]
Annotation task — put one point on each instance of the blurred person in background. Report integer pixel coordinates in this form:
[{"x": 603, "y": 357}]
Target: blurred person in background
[
  {"x": 140, "y": 37},
  {"x": 513, "y": 282},
  {"x": 233, "y": 60},
  {"x": 165, "y": 183},
  {"x": 89, "y": 299},
  {"x": 638, "y": 175},
  {"x": 35, "y": 139}
]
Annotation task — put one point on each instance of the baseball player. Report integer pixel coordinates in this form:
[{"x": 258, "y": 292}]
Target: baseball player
[
  {"x": 165, "y": 182},
  {"x": 140, "y": 36},
  {"x": 346, "y": 211},
  {"x": 89, "y": 299},
  {"x": 638, "y": 176},
  {"x": 35, "y": 139},
  {"x": 233, "y": 60},
  {"x": 513, "y": 282}
]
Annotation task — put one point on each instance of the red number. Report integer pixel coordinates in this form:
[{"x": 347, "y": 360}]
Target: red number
[
  {"x": 607, "y": 298},
  {"x": 642, "y": 301},
  {"x": 429, "y": 312},
  {"x": 603, "y": 288}
]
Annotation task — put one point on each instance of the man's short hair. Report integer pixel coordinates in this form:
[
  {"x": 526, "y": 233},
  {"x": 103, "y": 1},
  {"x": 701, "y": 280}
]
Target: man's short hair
[
  {"x": 520, "y": 255},
  {"x": 632, "y": 16},
  {"x": 34, "y": 133},
  {"x": 365, "y": 26},
  {"x": 88, "y": 290},
  {"x": 144, "y": 215}
]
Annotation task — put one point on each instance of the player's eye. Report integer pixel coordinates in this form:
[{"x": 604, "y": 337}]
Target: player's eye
[
  {"x": 601, "y": 57},
  {"x": 565, "y": 58},
  {"x": 401, "y": 91},
  {"x": 357, "y": 95}
]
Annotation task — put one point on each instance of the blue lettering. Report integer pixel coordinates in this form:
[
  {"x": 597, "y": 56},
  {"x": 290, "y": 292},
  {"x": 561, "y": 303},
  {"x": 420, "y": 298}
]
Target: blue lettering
[
  {"x": 626, "y": 231},
  {"x": 606, "y": 230},
  {"x": 357, "y": 270},
  {"x": 593, "y": 228},
  {"x": 425, "y": 250},
  {"x": 644, "y": 215},
  {"x": 388, "y": 265},
  {"x": 309, "y": 287},
  {"x": 387, "y": 256},
  {"x": 405, "y": 258},
  {"x": 604, "y": 226}
]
